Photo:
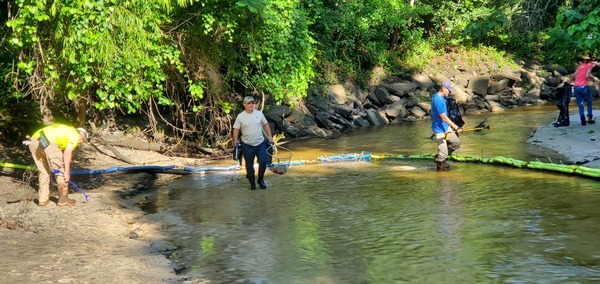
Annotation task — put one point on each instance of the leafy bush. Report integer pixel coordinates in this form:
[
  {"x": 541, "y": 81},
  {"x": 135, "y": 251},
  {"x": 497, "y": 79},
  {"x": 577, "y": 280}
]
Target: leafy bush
[{"x": 576, "y": 32}]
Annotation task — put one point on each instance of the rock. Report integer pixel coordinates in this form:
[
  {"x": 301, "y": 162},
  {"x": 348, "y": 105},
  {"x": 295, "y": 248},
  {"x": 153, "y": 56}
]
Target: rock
[
  {"x": 375, "y": 118},
  {"x": 495, "y": 106},
  {"x": 372, "y": 97},
  {"x": 396, "y": 109},
  {"x": 322, "y": 120},
  {"x": 337, "y": 94},
  {"x": 361, "y": 122},
  {"x": 479, "y": 84},
  {"x": 558, "y": 68},
  {"x": 383, "y": 96},
  {"x": 316, "y": 132},
  {"x": 534, "y": 93},
  {"x": 423, "y": 82},
  {"x": 342, "y": 110},
  {"x": 424, "y": 106},
  {"x": 418, "y": 112},
  {"x": 277, "y": 113},
  {"x": 497, "y": 86},
  {"x": 401, "y": 88},
  {"x": 493, "y": 98},
  {"x": 460, "y": 95}
]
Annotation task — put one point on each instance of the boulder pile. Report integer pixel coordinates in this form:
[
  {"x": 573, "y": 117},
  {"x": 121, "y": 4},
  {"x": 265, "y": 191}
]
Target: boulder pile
[{"x": 329, "y": 111}]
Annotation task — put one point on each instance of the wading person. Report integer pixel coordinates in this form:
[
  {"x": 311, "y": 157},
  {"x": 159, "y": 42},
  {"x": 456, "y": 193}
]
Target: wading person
[
  {"x": 52, "y": 150},
  {"x": 442, "y": 126},
  {"x": 251, "y": 123},
  {"x": 581, "y": 89}
]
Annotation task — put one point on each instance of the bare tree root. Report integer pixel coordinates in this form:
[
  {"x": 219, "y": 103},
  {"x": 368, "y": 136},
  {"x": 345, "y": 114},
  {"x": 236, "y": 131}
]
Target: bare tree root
[{"x": 108, "y": 145}]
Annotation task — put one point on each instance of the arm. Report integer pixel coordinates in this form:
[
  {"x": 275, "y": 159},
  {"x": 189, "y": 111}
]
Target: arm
[
  {"x": 589, "y": 75},
  {"x": 67, "y": 156},
  {"x": 447, "y": 120},
  {"x": 267, "y": 129},
  {"x": 236, "y": 133}
]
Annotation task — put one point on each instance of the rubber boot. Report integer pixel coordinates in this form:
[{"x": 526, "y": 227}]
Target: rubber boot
[
  {"x": 262, "y": 184},
  {"x": 583, "y": 122},
  {"x": 591, "y": 120},
  {"x": 43, "y": 203},
  {"x": 261, "y": 175},
  {"x": 63, "y": 197},
  {"x": 440, "y": 166},
  {"x": 252, "y": 184}
]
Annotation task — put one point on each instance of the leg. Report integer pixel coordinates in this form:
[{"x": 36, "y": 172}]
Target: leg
[
  {"x": 453, "y": 143},
  {"x": 249, "y": 154},
  {"x": 440, "y": 158},
  {"x": 579, "y": 97},
  {"x": 263, "y": 159},
  {"x": 55, "y": 157},
  {"x": 39, "y": 157},
  {"x": 588, "y": 102}
]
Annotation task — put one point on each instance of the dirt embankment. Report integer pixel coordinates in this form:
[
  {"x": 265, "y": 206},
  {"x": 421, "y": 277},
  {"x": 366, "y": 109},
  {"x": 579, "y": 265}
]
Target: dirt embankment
[{"x": 103, "y": 240}]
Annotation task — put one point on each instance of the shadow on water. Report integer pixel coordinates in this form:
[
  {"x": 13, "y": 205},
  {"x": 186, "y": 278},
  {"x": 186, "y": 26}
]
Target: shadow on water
[{"x": 392, "y": 221}]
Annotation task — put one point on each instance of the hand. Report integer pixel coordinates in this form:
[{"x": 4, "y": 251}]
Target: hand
[
  {"x": 459, "y": 130},
  {"x": 237, "y": 144}
]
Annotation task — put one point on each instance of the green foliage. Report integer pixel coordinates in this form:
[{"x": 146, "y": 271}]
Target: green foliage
[
  {"x": 515, "y": 26},
  {"x": 355, "y": 35},
  {"x": 281, "y": 51},
  {"x": 484, "y": 30},
  {"x": 109, "y": 52},
  {"x": 576, "y": 32},
  {"x": 414, "y": 59},
  {"x": 266, "y": 45},
  {"x": 527, "y": 45},
  {"x": 198, "y": 57}
]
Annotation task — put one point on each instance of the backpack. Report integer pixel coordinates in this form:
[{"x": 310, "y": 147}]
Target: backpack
[{"x": 454, "y": 112}]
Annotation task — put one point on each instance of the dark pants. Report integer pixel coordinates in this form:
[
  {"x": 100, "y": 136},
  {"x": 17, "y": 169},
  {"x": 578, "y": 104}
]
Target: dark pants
[
  {"x": 583, "y": 97},
  {"x": 250, "y": 152}
]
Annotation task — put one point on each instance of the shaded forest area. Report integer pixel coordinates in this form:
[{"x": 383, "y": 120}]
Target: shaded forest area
[{"x": 175, "y": 71}]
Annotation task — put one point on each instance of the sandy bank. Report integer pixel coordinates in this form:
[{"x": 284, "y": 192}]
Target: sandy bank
[
  {"x": 104, "y": 240},
  {"x": 580, "y": 144}
]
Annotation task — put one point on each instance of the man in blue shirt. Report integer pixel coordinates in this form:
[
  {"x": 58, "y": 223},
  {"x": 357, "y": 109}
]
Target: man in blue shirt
[{"x": 442, "y": 126}]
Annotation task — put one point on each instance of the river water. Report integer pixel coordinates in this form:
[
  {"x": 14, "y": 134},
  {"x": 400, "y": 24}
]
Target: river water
[{"x": 393, "y": 221}]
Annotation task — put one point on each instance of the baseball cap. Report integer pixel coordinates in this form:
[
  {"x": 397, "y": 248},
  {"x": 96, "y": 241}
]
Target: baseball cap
[
  {"x": 448, "y": 85},
  {"x": 84, "y": 134},
  {"x": 248, "y": 99}
]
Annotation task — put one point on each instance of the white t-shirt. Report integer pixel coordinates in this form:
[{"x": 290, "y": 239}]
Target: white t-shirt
[{"x": 251, "y": 124}]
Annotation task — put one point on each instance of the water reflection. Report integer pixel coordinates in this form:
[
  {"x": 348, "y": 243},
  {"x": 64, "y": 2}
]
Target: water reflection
[{"x": 392, "y": 221}]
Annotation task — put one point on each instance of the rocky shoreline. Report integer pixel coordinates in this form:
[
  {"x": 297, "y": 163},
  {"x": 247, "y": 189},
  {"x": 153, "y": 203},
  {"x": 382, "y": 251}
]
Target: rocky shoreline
[{"x": 330, "y": 111}]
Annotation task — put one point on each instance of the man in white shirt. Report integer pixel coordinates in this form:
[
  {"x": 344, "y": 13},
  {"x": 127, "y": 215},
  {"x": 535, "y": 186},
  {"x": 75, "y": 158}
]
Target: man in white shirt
[{"x": 251, "y": 123}]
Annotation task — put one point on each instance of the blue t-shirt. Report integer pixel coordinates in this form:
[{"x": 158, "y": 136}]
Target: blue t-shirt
[{"x": 438, "y": 106}]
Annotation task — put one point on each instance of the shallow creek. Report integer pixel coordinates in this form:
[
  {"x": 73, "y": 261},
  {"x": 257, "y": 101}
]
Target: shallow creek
[{"x": 393, "y": 221}]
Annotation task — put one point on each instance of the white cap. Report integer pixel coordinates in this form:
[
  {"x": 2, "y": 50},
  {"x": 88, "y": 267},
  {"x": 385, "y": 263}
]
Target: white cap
[{"x": 84, "y": 134}]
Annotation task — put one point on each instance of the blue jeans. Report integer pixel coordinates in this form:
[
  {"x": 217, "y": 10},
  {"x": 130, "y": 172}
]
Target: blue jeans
[
  {"x": 250, "y": 152},
  {"x": 583, "y": 96}
]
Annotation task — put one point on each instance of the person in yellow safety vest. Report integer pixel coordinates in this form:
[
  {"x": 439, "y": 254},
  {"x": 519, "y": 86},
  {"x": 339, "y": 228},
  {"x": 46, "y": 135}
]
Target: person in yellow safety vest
[{"x": 52, "y": 150}]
